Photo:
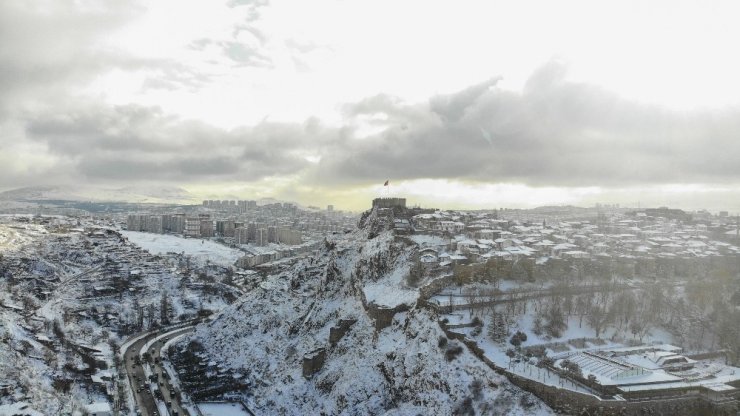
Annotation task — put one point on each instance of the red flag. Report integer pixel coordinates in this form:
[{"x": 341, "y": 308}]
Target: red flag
[{"x": 386, "y": 183}]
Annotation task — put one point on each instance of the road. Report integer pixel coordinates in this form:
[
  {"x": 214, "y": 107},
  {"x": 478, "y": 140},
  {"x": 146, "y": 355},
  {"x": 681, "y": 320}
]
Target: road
[{"x": 145, "y": 400}]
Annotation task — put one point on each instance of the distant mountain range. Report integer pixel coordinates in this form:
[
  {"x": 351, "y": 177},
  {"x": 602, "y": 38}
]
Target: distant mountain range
[
  {"x": 131, "y": 194},
  {"x": 135, "y": 194}
]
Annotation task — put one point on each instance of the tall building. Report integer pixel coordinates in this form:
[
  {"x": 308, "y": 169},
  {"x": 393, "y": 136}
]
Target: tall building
[
  {"x": 272, "y": 235},
  {"x": 154, "y": 224},
  {"x": 225, "y": 228},
  {"x": 251, "y": 231},
  {"x": 206, "y": 227},
  {"x": 192, "y": 227},
  {"x": 176, "y": 223},
  {"x": 261, "y": 237},
  {"x": 241, "y": 236},
  {"x": 289, "y": 236},
  {"x": 137, "y": 222}
]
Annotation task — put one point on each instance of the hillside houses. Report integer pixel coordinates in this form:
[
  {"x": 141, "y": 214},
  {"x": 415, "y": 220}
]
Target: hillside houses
[{"x": 640, "y": 242}]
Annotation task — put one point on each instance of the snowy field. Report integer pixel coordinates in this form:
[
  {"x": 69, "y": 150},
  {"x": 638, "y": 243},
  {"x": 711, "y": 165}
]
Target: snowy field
[
  {"x": 20, "y": 408},
  {"x": 383, "y": 294},
  {"x": 12, "y": 238},
  {"x": 222, "y": 409},
  {"x": 202, "y": 250}
]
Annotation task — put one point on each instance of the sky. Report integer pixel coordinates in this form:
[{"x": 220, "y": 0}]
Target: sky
[{"x": 458, "y": 104}]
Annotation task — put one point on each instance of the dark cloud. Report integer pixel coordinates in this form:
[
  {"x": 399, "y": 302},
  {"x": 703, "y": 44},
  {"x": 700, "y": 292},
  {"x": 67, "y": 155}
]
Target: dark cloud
[
  {"x": 452, "y": 107},
  {"x": 142, "y": 143},
  {"x": 555, "y": 132},
  {"x": 49, "y": 49}
]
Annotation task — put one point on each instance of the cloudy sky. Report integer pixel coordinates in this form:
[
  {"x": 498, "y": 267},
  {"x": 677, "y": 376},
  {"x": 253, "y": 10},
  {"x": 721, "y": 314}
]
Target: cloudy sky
[{"x": 460, "y": 104}]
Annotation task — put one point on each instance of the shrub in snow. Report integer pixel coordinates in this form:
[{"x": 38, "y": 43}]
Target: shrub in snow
[
  {"x": 453, "y": 351},
  {"x": 518, "y": 338},
  {"x": 466, "y": 407},
  {"x": 442, "y": 341}
]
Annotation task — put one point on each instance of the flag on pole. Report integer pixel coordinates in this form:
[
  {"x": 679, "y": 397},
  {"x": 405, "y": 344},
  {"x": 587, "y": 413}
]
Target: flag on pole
[{"x": 386, "y": 183}]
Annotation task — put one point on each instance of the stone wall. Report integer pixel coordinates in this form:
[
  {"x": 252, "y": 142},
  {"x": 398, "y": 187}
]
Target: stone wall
[
  {"x": 337, "y": 332},
  {"x": 435, "y": 286},
  {"x": 313, "y": 362},
  {"x": 383, "y": 315}
]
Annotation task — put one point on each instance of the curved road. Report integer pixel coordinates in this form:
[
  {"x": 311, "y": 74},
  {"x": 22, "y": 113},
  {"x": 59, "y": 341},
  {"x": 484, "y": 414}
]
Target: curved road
[{"x": 144, "y": 397}]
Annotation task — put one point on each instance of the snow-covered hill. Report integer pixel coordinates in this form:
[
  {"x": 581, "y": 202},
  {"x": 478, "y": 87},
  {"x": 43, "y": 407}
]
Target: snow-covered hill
[
  {"x": 408, "y": 367},
  {"x": 136, "y": 194}
]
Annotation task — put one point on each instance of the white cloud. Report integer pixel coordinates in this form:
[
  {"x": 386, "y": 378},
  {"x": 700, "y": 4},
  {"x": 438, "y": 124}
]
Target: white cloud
[{"x": 242, "y": 78}]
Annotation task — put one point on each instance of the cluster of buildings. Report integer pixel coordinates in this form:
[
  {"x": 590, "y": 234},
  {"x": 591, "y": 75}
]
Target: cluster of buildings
[
  {"x": 653, "y": 372},
  {"x": 265, "y": 232},
  {"x": 477, "y": 237},
  {"x": 203, "y": 226},
  {"x": 231, "y": 206}
]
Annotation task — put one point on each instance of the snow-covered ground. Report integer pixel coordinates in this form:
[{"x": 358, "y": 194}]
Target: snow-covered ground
[
  {"x": 222, "y": 409},
  {"x": 390, "y": 288},
  {"x": 577, "y": 336},
  {"x": 13, "y": 237},
  {"x": 66, "y": 297},
  {"x": 384, "y": 294},
  {"x": 403, "y": 369},
  {"x": 203, "y": 250},
  {"x": 19, "y": 408}
]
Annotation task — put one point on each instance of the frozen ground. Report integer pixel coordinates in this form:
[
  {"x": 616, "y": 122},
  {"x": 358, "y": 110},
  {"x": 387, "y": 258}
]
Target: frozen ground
[{"x": 202, "y": 250}]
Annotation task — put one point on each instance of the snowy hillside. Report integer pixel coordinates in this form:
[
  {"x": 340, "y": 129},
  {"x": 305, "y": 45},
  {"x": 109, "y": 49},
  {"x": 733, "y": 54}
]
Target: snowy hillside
[
  {"x": 140, "y": 194},
  {"x": 70, "y": 295},
  {"x": 408, "y": 367}
]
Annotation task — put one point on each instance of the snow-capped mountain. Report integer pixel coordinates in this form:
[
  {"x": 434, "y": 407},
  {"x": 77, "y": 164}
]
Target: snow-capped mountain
[{"x": 137, "y": 194}]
